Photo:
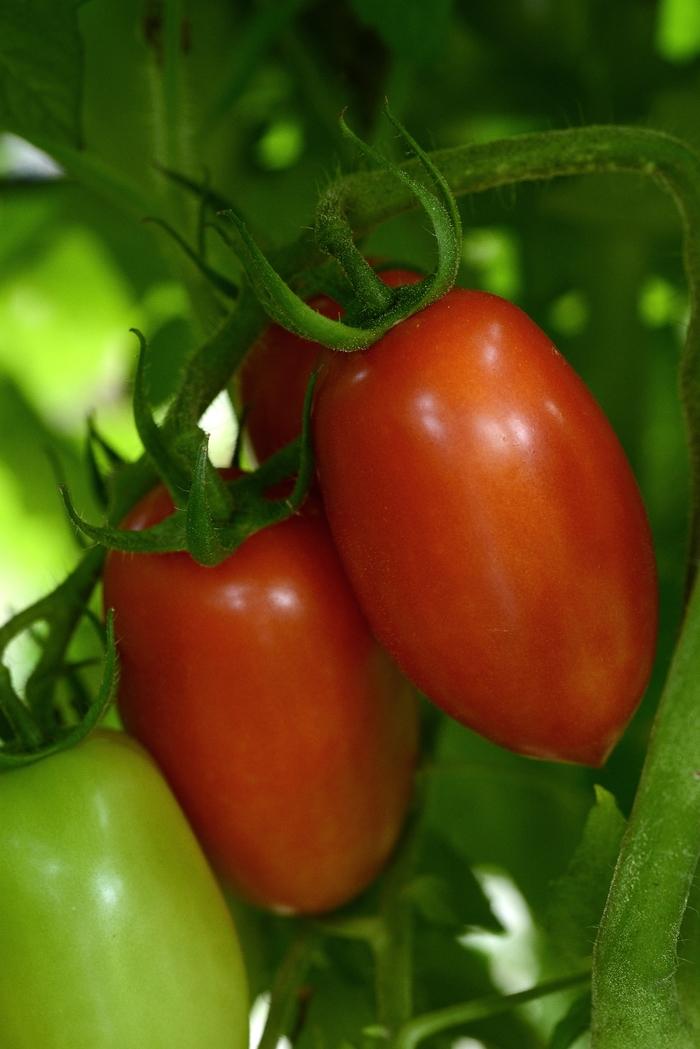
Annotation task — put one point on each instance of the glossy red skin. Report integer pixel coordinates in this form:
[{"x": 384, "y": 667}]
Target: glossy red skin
[
  {"x": 286, "y": 733},
  {"x": 491, "y": 526},
  {"x": 276, "y": 372}
]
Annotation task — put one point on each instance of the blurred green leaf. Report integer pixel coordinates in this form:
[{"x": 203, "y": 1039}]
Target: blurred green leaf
[
  {"x": 447, "y": 972},
  {"x": 578, "y": 897},
  {"x": 573, "y": 1024},
  {"x": 411, "y": 28},
  {"x": 41, "y": 64},
  {"x": 678, "y": 30},
  {"x": 500, "y": 809},
  {"x": 445, "y": 890},
  {"x": 167, "y": 351},
  {"x": 339, "y": 998},
  {"x": 64, "y": 320}
]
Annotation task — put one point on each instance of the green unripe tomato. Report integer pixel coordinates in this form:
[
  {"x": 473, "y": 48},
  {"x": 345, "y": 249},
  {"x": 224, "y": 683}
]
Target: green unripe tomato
[{"x": 113, "y": 931}]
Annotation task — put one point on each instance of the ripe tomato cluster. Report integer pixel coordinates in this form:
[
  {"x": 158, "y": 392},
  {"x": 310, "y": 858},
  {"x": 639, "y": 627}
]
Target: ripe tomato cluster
[{"x": 480, "y": 532}]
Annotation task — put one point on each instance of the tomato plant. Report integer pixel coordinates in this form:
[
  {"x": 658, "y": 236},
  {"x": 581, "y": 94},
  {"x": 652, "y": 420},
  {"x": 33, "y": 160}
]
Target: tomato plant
[
  {"x": 491, "y": 526},
  {"x": 114, "y": 931},
  {"x": 285, "y": 731},
  {"x": 497, "y": 547}
]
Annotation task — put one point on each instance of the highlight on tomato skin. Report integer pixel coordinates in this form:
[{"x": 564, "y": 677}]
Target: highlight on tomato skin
[
  {"x": 276, "y": 372},
  {"x": 491, "y": 526},
  {"x": 287, "y": 734}
]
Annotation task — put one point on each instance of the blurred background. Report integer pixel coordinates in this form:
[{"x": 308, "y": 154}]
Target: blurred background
[{"x": 247, "y": 95}]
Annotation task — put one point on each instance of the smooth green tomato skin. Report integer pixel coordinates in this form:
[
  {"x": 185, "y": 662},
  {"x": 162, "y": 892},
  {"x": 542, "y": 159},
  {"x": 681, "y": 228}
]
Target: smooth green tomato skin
[{"x": 113, "y": 931}]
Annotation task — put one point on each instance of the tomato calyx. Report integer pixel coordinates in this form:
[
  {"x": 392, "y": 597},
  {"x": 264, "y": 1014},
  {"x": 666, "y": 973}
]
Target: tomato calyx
[
  {"x": 371, "y": 308},
  {"x": 25, "y": 737},
  {"x": 213, "y": 519}
]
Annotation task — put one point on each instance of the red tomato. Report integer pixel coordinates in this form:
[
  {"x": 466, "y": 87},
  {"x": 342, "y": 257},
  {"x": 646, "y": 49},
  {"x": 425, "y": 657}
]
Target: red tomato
[
  {"x": 286, "y": 733},
  {"x": 276, "y": 372},
  {"x": 491, "y": 526}
]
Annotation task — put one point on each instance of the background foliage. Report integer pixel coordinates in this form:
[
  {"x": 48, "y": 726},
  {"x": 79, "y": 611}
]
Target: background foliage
[{"x": 249, "y": 93}]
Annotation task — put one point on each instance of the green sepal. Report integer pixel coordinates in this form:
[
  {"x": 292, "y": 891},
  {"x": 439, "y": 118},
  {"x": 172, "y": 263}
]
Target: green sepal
[
  {"x": 204, "y": 203},
  {"x": 11, "y": 757},
  {"x": 98, "y": 483},
  {"x": 325, "y": 278},
  {"x": 187, "y": 445},
  {"x": 201, "y": 532},
  {"x": 99, "y": 477},
  {"x": 333, "y": 234},
  {"x": 217, "y": 280},
  {"x": 440, "y": 207},
  {"x": 114, "y": 458},
  {"x": 374, "y": 308},
  {"x": 438, "y": 180},
  {"x": 307, "y": 462},
  {"x": 170, "y": 467},
  {"x": 17, "y": 717},
  {"x": 252, "y": 510},
  {"x": 197, "y": 527},
  {"x": 238, "y": 448},
  {"x": 284, "y": 306},
  {"x": 168, "y": 536},
  {"x": 201, "y": 190},
  {"x": 59, "y": 474}
]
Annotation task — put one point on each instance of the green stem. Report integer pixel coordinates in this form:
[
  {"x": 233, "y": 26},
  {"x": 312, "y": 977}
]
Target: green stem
[
  {"x": 172, "y": 143},
  {"x": 634, "y": 990},
  {"x": 393, "y": 943},
  {"x": 421, "y": 1027},
  {"x": 284, "y": 995},
  {"x": 210, "y": 367},
  {"x": 393, "y": 968}
]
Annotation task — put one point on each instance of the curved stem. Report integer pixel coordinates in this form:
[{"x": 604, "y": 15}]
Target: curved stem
[
  {"x": 421, "y": 1027},
  {"x": 393, "y": 944},
  {"x": 284, "y": 994},
  {"x": 210, "y": 367}
]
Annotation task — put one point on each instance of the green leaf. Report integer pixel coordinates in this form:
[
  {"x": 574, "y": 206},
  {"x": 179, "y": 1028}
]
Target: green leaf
[
  {"x": 447, "y": 972},
  {"x": 41, "y": 69},
  {"x": 573, "y": 1024},
  {"x": 579, "y": 896},
  {"x": 412, "y": 28},
  {"x": 499, "y": 809},
  {"x": 168, "y": 536},
  {"x": 340, "y": 1003},
  {"x": 170, "y": 466}
]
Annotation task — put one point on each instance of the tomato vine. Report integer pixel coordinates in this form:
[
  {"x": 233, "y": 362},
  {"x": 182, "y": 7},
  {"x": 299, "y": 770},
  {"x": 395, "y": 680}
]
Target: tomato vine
[{"x": 634, "y": 999}]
